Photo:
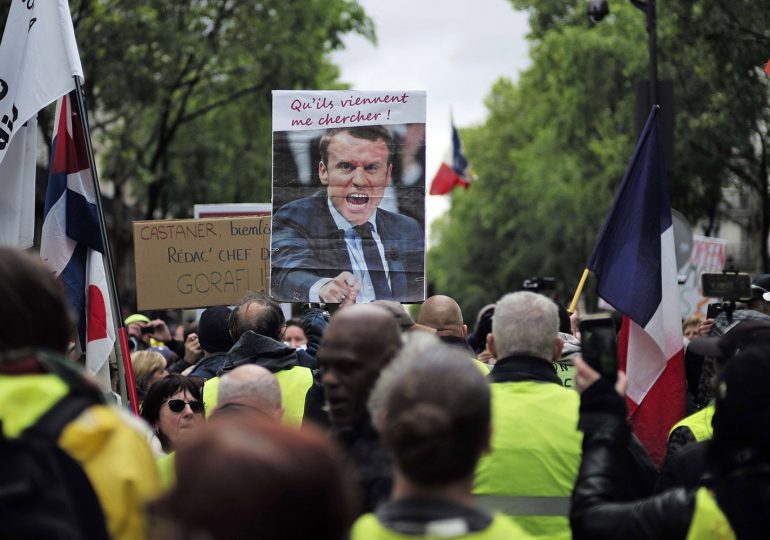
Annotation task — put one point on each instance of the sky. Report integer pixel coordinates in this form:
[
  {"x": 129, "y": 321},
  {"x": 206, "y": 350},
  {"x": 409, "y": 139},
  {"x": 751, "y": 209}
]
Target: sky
[{"x": 453, "y": 49}]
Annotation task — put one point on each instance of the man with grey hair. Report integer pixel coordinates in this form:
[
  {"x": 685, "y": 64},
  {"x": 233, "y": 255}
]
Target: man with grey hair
[
  {"x": 536, "y": 447},
  {"x": 250, "y": 388}
]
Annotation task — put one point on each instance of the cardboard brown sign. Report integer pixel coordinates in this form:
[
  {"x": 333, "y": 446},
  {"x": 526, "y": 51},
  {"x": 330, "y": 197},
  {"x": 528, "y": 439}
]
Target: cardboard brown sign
[{"x": 190, "y": 263}]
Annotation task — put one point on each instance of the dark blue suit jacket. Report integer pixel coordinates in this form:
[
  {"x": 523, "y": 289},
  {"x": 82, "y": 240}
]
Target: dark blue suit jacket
[{"x": 308, "y": 246}]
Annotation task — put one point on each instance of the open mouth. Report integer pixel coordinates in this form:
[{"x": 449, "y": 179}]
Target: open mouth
[{"x": 357, "y": 199}]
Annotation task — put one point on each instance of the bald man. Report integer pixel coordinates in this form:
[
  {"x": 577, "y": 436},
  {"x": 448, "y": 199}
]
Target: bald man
[
  {"x": 250, "y": 388},
  {"x": 444, "y": 315},
  {"x": 359, "y": 342}
]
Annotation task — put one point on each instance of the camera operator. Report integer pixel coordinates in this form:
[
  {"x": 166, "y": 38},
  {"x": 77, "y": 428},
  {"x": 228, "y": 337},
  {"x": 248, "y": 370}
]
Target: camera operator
[
  {"x": 756, "y": 308},
  {"x": 733, "y": 500}
]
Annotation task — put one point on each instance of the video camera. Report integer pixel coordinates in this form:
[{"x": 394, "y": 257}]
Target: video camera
[
  {"x": 729, "y": 287},
  {"x": 539, "y": 284}
]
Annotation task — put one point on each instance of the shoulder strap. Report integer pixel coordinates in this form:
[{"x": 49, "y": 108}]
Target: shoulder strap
[{"x": 50, "y": 425}]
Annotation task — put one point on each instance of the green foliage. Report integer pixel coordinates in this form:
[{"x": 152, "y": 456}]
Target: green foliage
[{"x": 556, "y": 144}]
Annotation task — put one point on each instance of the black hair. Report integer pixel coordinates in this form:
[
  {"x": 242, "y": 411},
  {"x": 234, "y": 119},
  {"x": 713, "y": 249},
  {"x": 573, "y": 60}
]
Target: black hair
[{"x": 159, "y": 392}]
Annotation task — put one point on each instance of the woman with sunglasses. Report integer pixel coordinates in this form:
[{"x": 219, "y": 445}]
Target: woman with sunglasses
[{"x": 174, "y": 409}]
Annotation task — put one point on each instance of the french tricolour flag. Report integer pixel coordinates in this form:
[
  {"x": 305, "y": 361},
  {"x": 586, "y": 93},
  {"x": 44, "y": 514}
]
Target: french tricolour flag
[
  {"x": 454, "y": 170},
  {"x": 71, "y": 241},
  {"x": 634, "y": 261}
]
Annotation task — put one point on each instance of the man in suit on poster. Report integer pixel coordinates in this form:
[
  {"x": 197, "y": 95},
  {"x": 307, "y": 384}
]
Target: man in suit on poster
[{"x": 337, "y": 246}]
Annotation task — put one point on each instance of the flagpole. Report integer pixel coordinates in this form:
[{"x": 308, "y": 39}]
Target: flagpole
[
  {"x": 125, "y": 370},
  {"x": 578, "y": 291}
]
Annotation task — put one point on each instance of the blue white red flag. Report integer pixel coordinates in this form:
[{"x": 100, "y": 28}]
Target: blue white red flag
[
  {"x": 71, "y": 242},
  {"x": 454, "y": 170},
  {"x": 38, "y": 60},
  {"x": 635, "y": 264}
]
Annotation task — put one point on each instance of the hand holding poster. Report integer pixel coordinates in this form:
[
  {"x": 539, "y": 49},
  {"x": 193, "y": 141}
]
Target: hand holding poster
[{"x": 348, "y": 196}]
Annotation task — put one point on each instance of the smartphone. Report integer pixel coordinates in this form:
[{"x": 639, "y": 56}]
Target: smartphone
[
  {"x": 599, "y": 345},
  {"x": 713, "y": 310}
]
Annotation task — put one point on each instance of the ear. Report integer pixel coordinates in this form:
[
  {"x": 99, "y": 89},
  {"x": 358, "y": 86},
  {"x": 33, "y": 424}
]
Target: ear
[
  {"x": 491, "y": 344},
  {"x": 323, "y": 174},
  {"x": 464, "y": 330},
  {"x": 558, "y": 345},
  {"x": 390, "y": 170}
]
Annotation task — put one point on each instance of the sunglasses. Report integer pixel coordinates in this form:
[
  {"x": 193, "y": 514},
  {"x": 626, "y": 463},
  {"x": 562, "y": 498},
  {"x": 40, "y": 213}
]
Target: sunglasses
[{"x": 177, "y": 405}]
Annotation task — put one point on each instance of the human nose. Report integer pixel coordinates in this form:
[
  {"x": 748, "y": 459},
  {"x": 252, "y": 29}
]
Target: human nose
[
  {"x": 187, "y": 411},
  {"x": 359, "y": 177},
  {"x": 328, "y": 378}
]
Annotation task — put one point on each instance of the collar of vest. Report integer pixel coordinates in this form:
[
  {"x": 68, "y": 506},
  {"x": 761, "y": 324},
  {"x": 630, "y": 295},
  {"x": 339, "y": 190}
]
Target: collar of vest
[
  {"x": 414, "y": 516},
  {"x": 520, "y": 368}
]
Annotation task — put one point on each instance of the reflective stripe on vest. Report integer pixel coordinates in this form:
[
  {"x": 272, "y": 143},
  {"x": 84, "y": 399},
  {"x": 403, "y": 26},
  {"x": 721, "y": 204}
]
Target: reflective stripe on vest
[
  {"x": 708, "y": 521},
  {"x": 699, "y": 423},
  {"x": 520, "y": 505},
  {"x": 368, "y": 527}
]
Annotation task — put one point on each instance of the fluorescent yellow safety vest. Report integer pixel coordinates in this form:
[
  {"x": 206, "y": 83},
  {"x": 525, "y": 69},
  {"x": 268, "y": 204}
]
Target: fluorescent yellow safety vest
[
  {"x": 708, "y": 521},
  {"x": 166, "y": 470},
  {"x": 368, "y": 527},
  {"x": 294, "y": 383},
  {"x": 114, "y": 455},
  {"x": 536, "y": 452},
  {"x": 699, "y": 423}
]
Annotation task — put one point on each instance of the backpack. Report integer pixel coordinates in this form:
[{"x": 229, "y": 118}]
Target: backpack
[{"x": 44, "y": 493}]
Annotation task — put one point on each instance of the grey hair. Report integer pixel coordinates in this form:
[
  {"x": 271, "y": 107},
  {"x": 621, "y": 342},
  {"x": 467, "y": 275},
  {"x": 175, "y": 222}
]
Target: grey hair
[
  {"x": 525, "y": 323},
  {"x": 245, "y": 381}
]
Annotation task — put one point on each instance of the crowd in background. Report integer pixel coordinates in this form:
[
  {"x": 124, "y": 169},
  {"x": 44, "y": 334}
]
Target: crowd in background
[{"x": 371, "y": 424}]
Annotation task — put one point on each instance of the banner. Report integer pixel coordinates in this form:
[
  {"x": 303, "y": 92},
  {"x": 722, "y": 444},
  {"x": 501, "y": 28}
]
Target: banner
[
  {"x": 348, "y": 196},
  {"x": 190, "y": 263},
  {"x": 38, "y": 60},
  {"x": 708, "y": 255}
]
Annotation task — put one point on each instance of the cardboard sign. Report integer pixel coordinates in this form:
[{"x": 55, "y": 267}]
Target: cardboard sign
[
  {"x": 189, "y": 263},
  {"x": 348, "y": 196},
  {"x": 708, "y": 255}
]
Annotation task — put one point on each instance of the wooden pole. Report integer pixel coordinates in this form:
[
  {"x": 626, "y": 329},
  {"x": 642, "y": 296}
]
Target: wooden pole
[{"x": 578, "y": 291}]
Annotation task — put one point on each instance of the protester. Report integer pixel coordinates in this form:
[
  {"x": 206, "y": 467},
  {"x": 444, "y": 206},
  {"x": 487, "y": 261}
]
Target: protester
[
  {"x": 733, "y": 502},
  {"x": 478, "y": 339},
  {"x": 535, "y": 454},
  {"x": 337, "y": 246},
  {"x": 436, "y": 438},
  {"x": 250, "y": 389},
  {"x": 245, "y": 477},
  {"x": 149, "y": 366},
  {"x": 443, "y": 314},
  {"x": 256, "y": 326},
  {"x": 215, "y": 340},
  {"x": 294, "y": 335},
  {"x": 174, "y": 409},
  {"x": 359, "y": 342},
  {"x": 50, "y": 497}
]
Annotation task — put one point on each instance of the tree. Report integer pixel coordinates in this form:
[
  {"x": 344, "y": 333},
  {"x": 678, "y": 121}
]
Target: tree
[
  {"x": 179, "y": 95},
  {"x": 555, "y": 145}
]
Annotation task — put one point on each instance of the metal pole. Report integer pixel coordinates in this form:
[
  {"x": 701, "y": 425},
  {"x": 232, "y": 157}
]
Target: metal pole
[
  {"x": 125, "y": 371},
  {"x": 653, "y": 50}
]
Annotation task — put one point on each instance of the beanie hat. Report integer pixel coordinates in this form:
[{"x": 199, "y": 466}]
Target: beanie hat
[{"x": 213, "y": 332}]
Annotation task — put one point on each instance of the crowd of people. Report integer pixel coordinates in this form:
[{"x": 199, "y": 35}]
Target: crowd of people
[{"x": 371, "y": 424}]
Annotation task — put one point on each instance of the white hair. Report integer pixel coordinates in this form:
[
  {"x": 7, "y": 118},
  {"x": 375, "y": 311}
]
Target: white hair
[{"x": 525, "y": 323}]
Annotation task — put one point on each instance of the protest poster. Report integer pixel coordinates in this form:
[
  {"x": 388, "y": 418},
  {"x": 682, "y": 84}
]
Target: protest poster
[
  {"x": 708, "y": 255},
  {"x": 348, "y": 196},
  {"x": 189, "y": 263}
]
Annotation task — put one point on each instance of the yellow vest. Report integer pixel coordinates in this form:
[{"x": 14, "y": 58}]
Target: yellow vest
[
  {"x": 536, "y": 452},
  {"x": 708, "y": 521},
  {"x": 368, "y": 527},
  {"x": 166, "y": 471},
  {"x": 699, "y": 423},
  {"x": 294, "y": 383},
  {"x": 113, "y": 454}
]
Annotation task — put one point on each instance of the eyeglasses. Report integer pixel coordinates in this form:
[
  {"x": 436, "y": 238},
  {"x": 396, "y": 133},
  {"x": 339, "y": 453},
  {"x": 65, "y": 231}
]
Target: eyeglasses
[{"x": 177, "y": 405}]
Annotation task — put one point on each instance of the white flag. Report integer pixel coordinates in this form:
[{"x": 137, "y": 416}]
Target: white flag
[{"x": 38, "y": 60}]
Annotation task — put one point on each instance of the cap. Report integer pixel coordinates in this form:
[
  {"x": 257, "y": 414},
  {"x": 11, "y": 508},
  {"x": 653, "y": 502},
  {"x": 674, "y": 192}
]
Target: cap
[
  {"x": 213, "y": 331},
  {"x": 741, "y": 335},
  {"x": 137, "y": 317}
]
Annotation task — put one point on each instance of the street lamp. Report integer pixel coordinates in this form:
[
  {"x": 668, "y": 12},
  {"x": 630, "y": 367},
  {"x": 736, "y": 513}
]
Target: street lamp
[{"x": 598, "y": 9}]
